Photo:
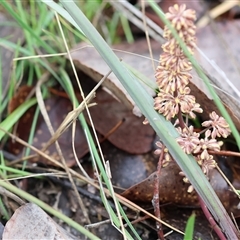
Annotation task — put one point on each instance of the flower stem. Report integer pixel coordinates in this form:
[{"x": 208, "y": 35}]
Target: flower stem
[
  {"x": 211, "y": 220},
  {"x": 181, "y": 121},
  {"x": 155, "y": 200}
]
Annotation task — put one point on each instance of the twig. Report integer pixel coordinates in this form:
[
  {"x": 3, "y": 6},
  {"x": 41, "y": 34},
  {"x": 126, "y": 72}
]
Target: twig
[
  {"x": 155, "y": 200},
  {"x": 211, "y": 220},
  {"x": 224, "y": 153}
]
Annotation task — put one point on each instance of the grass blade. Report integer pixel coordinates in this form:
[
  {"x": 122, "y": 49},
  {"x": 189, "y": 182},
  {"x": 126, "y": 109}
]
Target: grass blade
[
  {"x": 163, "y": 128},
  {"x": 26, "y": 27},
  {"x": 190, "y": 227},
  {"x": 15, "y": 115}
]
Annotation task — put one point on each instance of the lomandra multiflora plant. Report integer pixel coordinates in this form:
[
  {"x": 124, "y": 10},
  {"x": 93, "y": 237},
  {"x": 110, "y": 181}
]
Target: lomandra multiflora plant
[
  {"x": 176, "y": 104},
  {"x": 174, "y": 100}
]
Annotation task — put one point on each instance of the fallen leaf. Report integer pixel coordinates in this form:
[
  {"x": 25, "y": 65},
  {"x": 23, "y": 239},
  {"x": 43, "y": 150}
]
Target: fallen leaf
[
  {"x": 23, "y": 127},
  {"x": 131, "y": 136},
  {"x": 31, "y": 222},
  {"x": 57, "y": 108},
  {"x": 173, "y": 190}
]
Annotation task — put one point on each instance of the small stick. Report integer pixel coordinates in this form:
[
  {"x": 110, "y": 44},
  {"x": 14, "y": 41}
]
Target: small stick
[
  {"x": 224, "y": 153},
  {"x": 155, "y": 200},
  {"x": 111, "y": 131},
  {"x": 139, "y": 219},
  {"x": 211, "y": 220}
]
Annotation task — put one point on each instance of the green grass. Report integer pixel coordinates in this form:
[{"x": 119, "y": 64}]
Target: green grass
[
  {"x": 163, "y": 128},
  {"x": 189, "y": 230},
  {"x": 42, "y": 35}
]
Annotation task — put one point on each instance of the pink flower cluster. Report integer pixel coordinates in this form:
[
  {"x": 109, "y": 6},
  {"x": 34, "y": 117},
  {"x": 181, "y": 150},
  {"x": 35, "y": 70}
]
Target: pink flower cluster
[
  {"x": 172, "y": 76},
  {"x": 173, "y": 72}
]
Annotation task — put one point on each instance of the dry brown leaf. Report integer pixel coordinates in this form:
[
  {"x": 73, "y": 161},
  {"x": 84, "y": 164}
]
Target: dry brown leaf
[
  {"x": 23, "y": 126},
  {"x": 131, "y": 136},
  {"x": 88, "y": 60},
  {"x": 174, "y": 190},
  {"x": 57, "y": 108},
  {"x": 31, "y": 222}
]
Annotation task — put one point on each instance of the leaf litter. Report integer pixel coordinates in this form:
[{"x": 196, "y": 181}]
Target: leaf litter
[{"x": 169, "y": 183}]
